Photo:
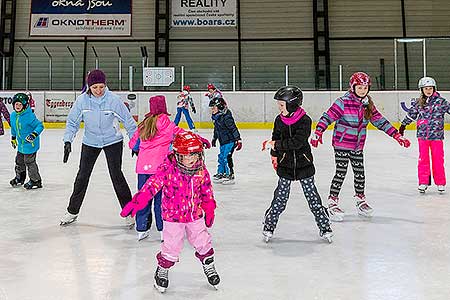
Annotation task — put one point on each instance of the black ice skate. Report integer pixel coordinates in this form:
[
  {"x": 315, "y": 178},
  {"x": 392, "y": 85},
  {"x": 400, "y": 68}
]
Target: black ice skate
[
  {"x": 18, "y": 180},
  {"x": 161, "y": 279},
  {"x": 33, "y": 184},
  {"x": 210, "y": 271}
]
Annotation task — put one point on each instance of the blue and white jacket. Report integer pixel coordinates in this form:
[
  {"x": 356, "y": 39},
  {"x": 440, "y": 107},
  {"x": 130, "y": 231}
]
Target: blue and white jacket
[{"x": 101, "y": 118}]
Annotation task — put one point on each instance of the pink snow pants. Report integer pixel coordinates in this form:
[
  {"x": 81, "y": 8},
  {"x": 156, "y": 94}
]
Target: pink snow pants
[
  {"x": 437, "y": 157},
  {"x": 173, "y": 234}
]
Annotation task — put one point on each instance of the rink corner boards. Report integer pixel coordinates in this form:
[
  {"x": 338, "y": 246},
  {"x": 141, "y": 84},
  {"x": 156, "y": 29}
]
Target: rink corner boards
[{"x": 240, "y": 125}]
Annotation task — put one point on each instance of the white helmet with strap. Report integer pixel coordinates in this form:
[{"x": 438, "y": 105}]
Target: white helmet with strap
[{"x": 427, "y": 81}]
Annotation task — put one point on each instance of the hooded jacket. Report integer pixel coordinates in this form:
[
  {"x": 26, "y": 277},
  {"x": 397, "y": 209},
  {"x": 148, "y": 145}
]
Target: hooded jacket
[{"x": 22, "y": 125}]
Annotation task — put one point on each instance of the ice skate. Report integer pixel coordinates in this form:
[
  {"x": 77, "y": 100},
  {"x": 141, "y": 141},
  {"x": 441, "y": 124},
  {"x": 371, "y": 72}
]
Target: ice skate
[
  {"x": 161, "y": 279},
  {"x": 267, "y": 235},
  {"x": 362, "y": 206},
  {"x": 441, "y": 189},
  {"x": 141, "y": 235},
  {"x": 18, "y": 180},
  {"x": 68, "y": 218},
  {"x": 210, "y": 271},
  {"x": 33, "y": 184},
  {"x": 336, "y": 213},
  {"x": 327, "y": 235},
  {"x": 129, "y": 222},
  {"x": 422, "y": 188},
  {"x": 228, "y": 179},
  {"x": 218, "y": 178}
]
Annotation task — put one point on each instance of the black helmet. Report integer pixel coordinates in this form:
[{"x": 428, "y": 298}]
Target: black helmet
[
  {"x": 219, "y": 102},
  {"x": 292, "y": 95},
  {"x": 22, "y": 98}
]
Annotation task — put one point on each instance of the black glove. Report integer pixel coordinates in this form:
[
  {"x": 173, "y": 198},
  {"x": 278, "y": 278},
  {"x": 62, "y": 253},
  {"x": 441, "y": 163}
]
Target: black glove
[
  {"x": 134, "y": 152},
  {"x": 193, "y": 109},
  {"x": 13, "y": 142},
  {"x": 213, "y": 142},
  {"x": 67, "y": 150},
  {"x": 31, "y": 137},
  {"x": 401, "y": 129}
]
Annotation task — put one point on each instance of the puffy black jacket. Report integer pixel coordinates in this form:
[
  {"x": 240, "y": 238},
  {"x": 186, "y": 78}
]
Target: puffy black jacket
[
  {"x": 295, "y": 160},
  {"x": 225, "y": 128}
]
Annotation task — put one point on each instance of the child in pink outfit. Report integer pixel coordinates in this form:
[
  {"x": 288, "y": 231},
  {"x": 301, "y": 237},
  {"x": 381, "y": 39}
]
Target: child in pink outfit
[
  {"x": 187, "y": 207},
  {"x": 429, "y": 110}
]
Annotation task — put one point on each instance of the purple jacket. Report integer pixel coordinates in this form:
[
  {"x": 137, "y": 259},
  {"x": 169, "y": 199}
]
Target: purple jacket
[
  {"x": 184, "y": 197},
  {"x": 430, "y": 118},
  {"x": 5, "y": 113},
  {"x": 350, "y": 127}
]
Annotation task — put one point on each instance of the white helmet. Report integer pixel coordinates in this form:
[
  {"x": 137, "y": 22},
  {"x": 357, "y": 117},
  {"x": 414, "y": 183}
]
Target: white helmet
[{"x": 427, "y": 81}]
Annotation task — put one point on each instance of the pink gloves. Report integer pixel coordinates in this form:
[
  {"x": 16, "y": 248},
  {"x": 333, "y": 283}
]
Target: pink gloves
[
  {"x": 274, "y": 162},
  {"x": 139, "y": 201},
  {"x": 316, "y": 139},
  {"x": 401, "y": 140},
  {"x": 208, "y": 209}
]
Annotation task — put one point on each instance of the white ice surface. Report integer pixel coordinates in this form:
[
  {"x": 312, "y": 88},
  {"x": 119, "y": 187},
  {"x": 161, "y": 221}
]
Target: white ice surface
[{"x": 403, "y": 252}]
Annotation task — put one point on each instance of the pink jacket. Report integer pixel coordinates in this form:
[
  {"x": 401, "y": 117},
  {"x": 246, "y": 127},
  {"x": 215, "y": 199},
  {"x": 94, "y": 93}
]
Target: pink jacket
[
  {"x": 184, "y": 197},
  {"x": 153, "y": 151}
]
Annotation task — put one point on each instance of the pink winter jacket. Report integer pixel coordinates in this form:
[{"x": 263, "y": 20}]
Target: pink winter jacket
[
  {"x": 184, "y": 197},
  {"x": 153, "y": 151}
]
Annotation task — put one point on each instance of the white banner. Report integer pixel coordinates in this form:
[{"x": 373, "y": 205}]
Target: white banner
[
  {"x": 57, "y": 106},
  {"x": 204, "y": 13}
]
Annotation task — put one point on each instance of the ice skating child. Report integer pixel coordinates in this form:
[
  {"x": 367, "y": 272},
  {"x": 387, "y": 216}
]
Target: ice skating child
[
  {"x": 213, "y": 92},
  {"x": 25, "y": 131},
  {"x": 32, "y": 102},
  {"x": 152, "y": 141},
  {"x": 352, "y": 113},
  {"x": 5, "y": 113},
  {"x": 187, "y": 207},
  {"x": 226, "y": 132},
  {"x": 428, "y": 111},
  {"x": 292, "y": 160},
  {"x": 184, "y": 101}
]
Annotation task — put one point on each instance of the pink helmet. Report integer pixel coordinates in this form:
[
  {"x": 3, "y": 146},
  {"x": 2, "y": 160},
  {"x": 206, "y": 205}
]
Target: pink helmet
[
  {"x": 359, "y": 78},
  {"x": 187, "y": 88},
  {"x": 211, "y": 86}
]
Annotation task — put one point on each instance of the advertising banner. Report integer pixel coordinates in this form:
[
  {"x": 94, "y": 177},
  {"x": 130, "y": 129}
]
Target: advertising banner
[
  {"x": 57, "y": 106},
  {"x": 80, "y": 18},
  {"x": 204, "y": 13},
  {"x": 37, "y": 97}
]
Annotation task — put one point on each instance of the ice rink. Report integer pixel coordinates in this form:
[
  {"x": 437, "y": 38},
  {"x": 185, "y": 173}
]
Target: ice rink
[{"x": 403, "y": 252}]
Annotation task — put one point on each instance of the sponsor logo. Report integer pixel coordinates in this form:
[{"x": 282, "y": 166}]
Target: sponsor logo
[
  {"x": 42, "y": 22},
  {"x": 88, "y": 22},
  {"x": 58, "y": 103}
]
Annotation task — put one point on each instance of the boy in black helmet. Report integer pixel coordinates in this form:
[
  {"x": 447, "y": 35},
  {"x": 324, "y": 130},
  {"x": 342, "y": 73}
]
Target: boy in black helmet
[
  {"x": 292, "y": 160},
  {"x": 25, "y": 131},
  {"x": 226, "y": 132}
]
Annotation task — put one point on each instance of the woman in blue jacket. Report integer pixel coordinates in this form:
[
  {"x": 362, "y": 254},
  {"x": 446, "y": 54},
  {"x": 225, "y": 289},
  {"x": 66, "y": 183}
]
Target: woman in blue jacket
[{"x": 101, "y": 111}]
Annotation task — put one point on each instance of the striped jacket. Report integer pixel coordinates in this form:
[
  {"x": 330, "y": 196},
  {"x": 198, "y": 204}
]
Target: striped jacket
[
  {"x": 430, "y": 118},
  {"x": 351, "y": 126}
]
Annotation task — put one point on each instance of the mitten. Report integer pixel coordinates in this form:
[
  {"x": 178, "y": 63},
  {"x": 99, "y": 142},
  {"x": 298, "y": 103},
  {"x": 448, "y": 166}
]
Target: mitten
[
  {"x": 134, "y": 152},
  {"x": 31, "y": 137},
  {"x": 274, "y": 162},
  {"x": 316, "y": 139},
  {"x": 67, "y": 150},
  {"x": 139, "y": 202},
  {"x": 401, "y": 129},
  {"x": 208, "y": 209},
  {"x": 238, "y": 145},
  {"x": 13, "y": 142},
  {"x": 205, "y": 142},
  {"x": 213, "y": 142},
  {"x": 401, "y": 140},
  {"x": 193, "y": 109},
  {"x": 267, "y": 145}
]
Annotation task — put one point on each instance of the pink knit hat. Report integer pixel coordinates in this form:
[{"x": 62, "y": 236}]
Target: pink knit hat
[{"x": 157, "y": 105}]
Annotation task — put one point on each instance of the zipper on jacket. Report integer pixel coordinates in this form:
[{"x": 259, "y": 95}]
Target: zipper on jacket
[
  {"x": 306, "y": 157},
  {"x": 295, "y": 159},
  {"x": 284, "y": 154}
]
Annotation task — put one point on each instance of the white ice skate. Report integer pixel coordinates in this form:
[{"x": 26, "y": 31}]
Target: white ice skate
[
  {"x": 267, "y": 235},
  {"x": 68, "y": 218},
  {"x": 129, "y": 222},
  {"x": 441, "y": 189},
  {"x": 422, "y": 188},
  {"x": 141, "y": 235},
  {"x": 336, "y": 213},
  {"x": 362, "y": 206},
  {"x": 327, "y": 236}
]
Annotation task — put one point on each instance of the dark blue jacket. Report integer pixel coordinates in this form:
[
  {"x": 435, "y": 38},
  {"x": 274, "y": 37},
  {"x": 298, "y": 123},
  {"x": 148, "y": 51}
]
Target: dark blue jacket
[{"x": 225, "y": 128}]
